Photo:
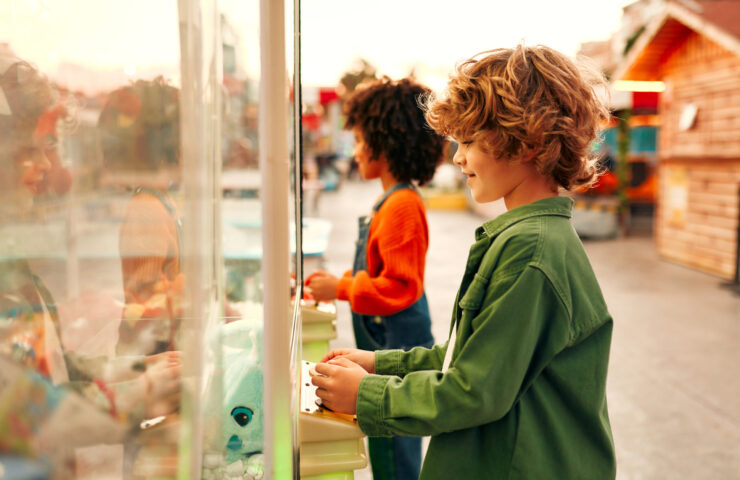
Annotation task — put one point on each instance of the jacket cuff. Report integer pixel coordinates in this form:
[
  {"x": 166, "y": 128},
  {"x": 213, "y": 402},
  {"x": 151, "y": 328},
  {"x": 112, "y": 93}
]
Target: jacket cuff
[
  {"x": 388, "y": 362},
  {"x": 343, "y": 287},
  {"x": 370, "y": 406}
]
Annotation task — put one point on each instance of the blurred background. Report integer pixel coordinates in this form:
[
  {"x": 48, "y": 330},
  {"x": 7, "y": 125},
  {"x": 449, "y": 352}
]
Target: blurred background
[{"x": 660, "y": 227}]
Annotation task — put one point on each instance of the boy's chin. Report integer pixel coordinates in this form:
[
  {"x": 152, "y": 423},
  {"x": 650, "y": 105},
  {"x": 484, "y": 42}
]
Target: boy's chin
[
  {"x": 481, "y": 198},
  {"x": 17, "y": 203}
]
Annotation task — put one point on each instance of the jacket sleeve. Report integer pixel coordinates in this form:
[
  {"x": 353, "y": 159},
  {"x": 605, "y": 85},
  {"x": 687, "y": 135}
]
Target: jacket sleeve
[
  {"x": 400, "y": 230},
  {"x": 399, "y": 363},
  {"x": 519, "y": 329}
]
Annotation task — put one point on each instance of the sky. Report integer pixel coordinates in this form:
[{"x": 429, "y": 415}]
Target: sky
[
  {"x": 432, "y": 35},
  {"x": 114, "y": 39},
  {"x": 140, "y": 37}
]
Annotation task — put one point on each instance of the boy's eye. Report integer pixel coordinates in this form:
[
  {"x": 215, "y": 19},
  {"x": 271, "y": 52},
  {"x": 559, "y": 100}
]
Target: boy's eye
[
  {"x": 50, "y": 142},
  {"x": 460, "y": 142}
]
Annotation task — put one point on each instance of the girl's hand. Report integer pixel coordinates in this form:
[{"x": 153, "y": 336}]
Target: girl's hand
[
  {"x": 363, "y": 358},
  {"x": 338, "y": 382},
  {"x": 323, "y": 285}
]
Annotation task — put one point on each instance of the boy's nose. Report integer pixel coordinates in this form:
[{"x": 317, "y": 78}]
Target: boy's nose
[
  {"x": 36, "y": 159},
  {"x": 458, "y": 158},
  {"x": 41, "y": 160}
]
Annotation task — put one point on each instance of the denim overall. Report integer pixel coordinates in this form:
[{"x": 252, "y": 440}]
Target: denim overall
[{"x": 396, "y": 457}]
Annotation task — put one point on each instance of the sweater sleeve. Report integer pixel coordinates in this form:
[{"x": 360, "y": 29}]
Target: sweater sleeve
[
  {"x": 512, "y": 340},
  {"x": 399, "y": 230},
  {"x": 147, "y": 240}
]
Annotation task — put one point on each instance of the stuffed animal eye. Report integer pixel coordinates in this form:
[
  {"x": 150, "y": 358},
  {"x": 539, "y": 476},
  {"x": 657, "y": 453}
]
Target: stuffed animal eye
[{"x": 242, "y": 415}]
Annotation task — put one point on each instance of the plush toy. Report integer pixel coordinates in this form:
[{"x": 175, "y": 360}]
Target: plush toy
[
  {"x": 241, "y": 417},
  {"x": 235, "y": 440}
]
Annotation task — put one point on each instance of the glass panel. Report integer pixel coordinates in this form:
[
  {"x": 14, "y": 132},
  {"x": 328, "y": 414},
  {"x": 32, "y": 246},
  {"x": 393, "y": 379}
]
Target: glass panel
[
  {"x": 293, "y": 47},
  {"x": 202, "y": 421},
  {"x": 131, "y": 241},
  {"x": 109, "y": 312},
  {"x": 239, "y": 445},
  {"x": 91, "y": 281}
]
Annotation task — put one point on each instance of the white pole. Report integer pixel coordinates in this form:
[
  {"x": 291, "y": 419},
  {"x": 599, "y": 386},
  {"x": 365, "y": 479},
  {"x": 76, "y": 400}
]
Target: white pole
[{"x": 274, "y": 166}]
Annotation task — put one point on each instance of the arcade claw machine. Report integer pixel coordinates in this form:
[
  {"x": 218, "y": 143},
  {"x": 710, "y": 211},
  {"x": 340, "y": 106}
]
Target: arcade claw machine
[{"x": 150, "y": 224}]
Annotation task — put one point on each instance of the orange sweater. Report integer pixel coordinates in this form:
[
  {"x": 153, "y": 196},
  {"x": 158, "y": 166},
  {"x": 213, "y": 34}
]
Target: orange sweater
[
  {"x": 148, "y": 246},
  {"x": 396, "y": 254},
  {"x": 152, "y": 281}
]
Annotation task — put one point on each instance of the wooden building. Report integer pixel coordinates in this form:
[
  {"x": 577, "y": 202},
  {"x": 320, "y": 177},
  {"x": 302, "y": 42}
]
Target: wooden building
[{"x": 693, "y": 46}]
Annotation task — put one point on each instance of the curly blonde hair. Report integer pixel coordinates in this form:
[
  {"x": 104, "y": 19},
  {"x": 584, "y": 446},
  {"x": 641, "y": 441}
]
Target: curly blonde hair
[
  {"x": 522, "y": 102},
  {"x": 28, "y": 94}
]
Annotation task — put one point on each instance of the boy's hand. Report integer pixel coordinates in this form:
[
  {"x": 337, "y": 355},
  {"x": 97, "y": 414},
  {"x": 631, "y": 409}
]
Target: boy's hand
[
  {"x": 163, "y": 385},
  {"x": 338, "y": 382},
  {"x": 169, "y": 358},
  {"x": 363, "y": 358},
  {"x": 323, "y": 285}
]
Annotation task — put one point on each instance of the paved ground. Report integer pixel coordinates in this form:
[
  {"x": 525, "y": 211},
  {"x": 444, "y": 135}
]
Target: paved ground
[{"x": 674, "y": 378}]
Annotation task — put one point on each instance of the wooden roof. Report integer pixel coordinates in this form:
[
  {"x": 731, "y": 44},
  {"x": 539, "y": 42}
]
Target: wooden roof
[
  {"x": 718, "y": 20},
  {"x": 725, "y": 14}
]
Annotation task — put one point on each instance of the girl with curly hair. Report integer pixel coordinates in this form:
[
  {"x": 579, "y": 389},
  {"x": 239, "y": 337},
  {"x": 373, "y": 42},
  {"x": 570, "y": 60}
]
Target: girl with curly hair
[
  {"x": 385, "y": 289},
  {"x": 519, "y": 389}
]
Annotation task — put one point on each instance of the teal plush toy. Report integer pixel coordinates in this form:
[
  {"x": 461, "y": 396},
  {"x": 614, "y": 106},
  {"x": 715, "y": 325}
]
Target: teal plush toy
[{"x": 242, "y": 419}]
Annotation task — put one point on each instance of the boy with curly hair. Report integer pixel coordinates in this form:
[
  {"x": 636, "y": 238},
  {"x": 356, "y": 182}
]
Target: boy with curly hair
[
  {"x": 519, "y": 390},
  {"x": 385, "y": 288}
]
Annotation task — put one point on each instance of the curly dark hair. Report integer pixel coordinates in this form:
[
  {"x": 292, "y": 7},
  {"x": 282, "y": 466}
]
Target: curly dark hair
[
  {"x": 140, "y": 126},
  {"x": 392, "y": 122}
]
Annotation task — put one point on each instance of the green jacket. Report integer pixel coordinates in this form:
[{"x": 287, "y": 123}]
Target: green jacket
[{"x": 524, "y": 396}]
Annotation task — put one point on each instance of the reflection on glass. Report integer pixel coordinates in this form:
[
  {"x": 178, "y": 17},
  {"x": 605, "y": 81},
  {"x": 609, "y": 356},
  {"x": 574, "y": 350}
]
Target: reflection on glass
[
  {"x": 53, "y": 384},
  {"x": 90, "y": 287},
  {"x": 98, "y": 243},
  {"x": 242, "y": 414},
  {"x": 140, "y": 142},
  {"x": 30, "y": 324}
]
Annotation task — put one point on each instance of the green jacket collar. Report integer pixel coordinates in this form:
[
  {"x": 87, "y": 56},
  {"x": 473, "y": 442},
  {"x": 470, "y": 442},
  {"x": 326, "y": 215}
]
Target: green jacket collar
[{"x": 561, "y": 206}]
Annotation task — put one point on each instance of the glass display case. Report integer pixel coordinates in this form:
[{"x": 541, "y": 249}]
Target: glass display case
[
  {"x": 146, "y": 328},
  {"x": 151, "y": 245}
]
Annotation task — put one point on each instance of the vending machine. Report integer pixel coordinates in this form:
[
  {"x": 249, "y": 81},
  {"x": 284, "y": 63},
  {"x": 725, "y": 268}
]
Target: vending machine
[{"x": 151, "y": 246}]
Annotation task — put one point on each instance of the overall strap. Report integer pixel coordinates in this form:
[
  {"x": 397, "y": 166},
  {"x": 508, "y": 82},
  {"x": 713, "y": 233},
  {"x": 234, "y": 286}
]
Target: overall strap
[
  {"x": 167, "y": 204},
  {"x": 390, "y": 191},
  {"x": 160, "y": 196}
]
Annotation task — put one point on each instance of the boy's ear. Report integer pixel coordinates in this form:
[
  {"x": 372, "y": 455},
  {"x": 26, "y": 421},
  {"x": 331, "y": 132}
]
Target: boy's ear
[{"x": 529, "y": 154}]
